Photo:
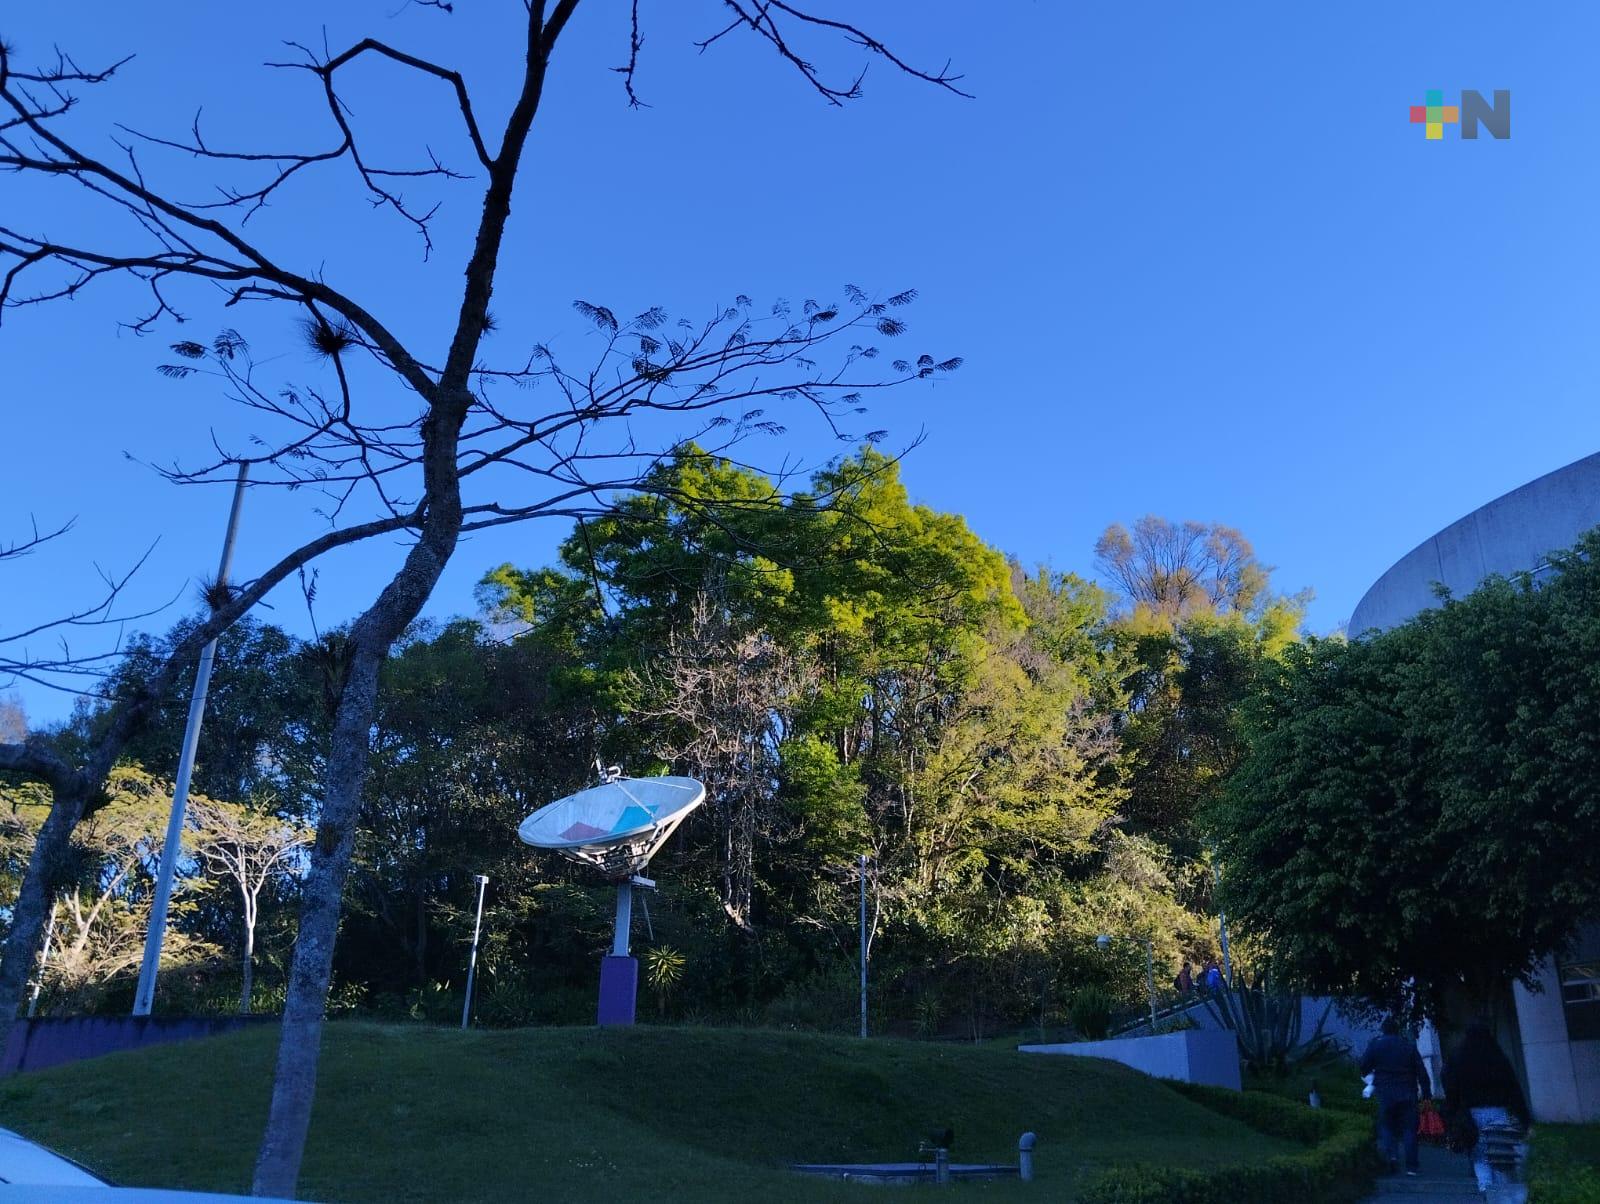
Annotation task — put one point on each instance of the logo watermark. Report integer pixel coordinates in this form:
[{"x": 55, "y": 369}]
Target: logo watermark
[{"x": 1473, "y": 113}]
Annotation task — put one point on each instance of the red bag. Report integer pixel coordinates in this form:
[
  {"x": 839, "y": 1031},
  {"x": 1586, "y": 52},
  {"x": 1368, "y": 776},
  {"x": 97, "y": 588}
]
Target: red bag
[{"x": 1430, "y": 1125}]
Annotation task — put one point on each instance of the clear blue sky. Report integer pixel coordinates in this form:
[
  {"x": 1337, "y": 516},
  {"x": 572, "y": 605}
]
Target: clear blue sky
[{"x": 1198, "y": 262}]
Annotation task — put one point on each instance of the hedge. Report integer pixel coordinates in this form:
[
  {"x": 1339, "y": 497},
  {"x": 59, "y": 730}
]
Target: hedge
[
  {"x": 1339, "y": 1166},
  {"x": 1564, "y": 1165}
]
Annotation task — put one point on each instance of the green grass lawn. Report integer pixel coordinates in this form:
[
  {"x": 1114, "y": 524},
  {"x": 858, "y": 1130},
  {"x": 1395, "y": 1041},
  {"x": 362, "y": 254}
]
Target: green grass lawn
[{"x": 412, "y": 1113}]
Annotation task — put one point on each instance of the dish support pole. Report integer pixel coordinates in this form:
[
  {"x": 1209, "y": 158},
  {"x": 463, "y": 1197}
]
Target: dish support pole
[
  {"x": 619, "y": 942},
  {"x": 619, "y": 973}
]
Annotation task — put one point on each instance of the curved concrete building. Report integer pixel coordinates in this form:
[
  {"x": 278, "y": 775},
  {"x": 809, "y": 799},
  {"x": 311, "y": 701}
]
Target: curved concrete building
[
  {"x": 1558, "y": 1027},
  {"x": 1512, "y": 534}
]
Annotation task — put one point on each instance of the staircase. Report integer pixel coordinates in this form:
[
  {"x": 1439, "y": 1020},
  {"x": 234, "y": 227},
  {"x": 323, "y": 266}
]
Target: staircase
[{"x": 1445, "y": 1178}]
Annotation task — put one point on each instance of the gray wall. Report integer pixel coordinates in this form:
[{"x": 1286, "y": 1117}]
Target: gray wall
[
  {"x": 1512, "y": 534},
  {"x": 1192, "y": 1056},
  {"x": 42, "y": 1043}
]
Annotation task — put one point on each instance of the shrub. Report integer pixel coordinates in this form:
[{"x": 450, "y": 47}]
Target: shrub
[
  {"x": 825, "y": 1002},
  {"x": 1338, "y": 1167},
  {"x": 1564, "y": 1165},
  {"x": 1181, "y": 1023},
  {"x": 1091, "y": 1011}
]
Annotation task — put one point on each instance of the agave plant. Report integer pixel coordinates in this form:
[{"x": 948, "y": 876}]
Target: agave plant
[{"x": 1268, "y": 1022}]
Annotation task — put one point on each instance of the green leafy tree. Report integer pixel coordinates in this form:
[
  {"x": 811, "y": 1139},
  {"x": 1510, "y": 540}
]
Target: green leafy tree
[
  {"x": 103, "y": 910},
  {"x": 1417, "y": 818}
]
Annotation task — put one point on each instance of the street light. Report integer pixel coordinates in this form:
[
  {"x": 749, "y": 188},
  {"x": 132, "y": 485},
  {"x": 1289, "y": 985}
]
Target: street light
[
  {"x": 1103, "y": 942},
  {"x": 472, "y": 964}
]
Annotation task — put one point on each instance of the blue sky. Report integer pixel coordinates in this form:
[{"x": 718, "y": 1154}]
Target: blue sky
[{"x": 1196, "y": 258}]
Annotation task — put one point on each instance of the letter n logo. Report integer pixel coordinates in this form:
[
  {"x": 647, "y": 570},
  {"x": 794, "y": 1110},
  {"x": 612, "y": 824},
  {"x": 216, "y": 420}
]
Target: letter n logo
[{"x": 1475, "y": 110}]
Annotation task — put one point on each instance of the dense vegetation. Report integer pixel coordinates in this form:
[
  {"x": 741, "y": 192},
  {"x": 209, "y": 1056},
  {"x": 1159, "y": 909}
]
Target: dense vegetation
[
  {"x": 1025, "y": 758},
  {"x": 1564, "y": 1165},
  {"x": 1021, "y": 754},
  {"x": 1419, "y": 805}
]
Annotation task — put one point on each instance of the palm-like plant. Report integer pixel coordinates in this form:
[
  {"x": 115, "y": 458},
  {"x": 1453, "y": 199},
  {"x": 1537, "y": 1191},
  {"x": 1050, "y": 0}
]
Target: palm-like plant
[{"x": 663, "y": 970}]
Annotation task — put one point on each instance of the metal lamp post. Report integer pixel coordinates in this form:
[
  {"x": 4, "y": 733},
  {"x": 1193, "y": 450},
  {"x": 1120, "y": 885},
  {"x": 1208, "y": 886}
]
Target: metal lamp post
[
  {"x": 144, "y": 998},
  {"x": 1103, "y": 941},
  {"x": 863, "y": 944},
  {"x": 472, "y": 962}
]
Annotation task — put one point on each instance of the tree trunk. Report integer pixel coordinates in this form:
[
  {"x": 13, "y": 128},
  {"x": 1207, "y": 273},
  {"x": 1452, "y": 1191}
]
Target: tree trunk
[
  {"x": 422, "y": 937},
  {"x": 249, "y": 967},
  {"x": 32, "y": 908},
  {"x": 300, "y": 1040},
  {"x": 295, "y": 1085}
]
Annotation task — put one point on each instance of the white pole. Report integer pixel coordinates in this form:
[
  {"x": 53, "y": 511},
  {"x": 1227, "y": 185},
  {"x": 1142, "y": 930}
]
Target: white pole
[
  {"x": 1222, "y": 928},
  {"x": 44, "y": 960},
  {"x": 472, "y": 962},
  {"x": 619, "y": 940},
  {"x": 863, "y": 945},
  {"x": 145, "y": 997},
  {"x": 1150, "y": 979}
]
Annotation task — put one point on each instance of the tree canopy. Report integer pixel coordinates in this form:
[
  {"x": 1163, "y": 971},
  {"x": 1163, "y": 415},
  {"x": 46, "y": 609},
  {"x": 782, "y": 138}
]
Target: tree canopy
[{"x": 1417, "y": 818}]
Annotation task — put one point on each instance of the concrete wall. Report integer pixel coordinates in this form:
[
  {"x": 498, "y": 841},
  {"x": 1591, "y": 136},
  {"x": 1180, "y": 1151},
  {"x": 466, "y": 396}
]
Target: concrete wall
[
  {"x": 1350, "y": 1033},
  {"x": 1512, "y": 534},
  {"x": 37, "y": 1044},
  {"x": 1194, "y": 1056}
]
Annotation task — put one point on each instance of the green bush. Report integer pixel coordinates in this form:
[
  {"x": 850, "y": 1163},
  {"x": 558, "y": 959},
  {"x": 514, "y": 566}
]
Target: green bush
[
  {"x": 1182, "y": 1023},
  {"x": 1337, "y": 1167},
  {"x": 827, "y": 1001},
  {"x": 1269, "y": 1114},
  {"x": 1091, "y": 1012},
  {"x": 1564, "y": 1165}
]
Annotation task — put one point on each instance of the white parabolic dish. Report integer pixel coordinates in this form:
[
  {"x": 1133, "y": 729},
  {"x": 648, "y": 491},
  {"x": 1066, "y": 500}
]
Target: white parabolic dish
[{"x": 616, "y": 826}]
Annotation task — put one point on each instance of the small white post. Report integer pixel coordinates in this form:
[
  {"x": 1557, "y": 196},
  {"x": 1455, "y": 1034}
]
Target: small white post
[
  {"x": 1150, "y": 979},
  {"x": 1025, "y": 1157},
  {"x": 941, "y": 1165},
  {"x": 619, "y": 940},
  {"x": 863, "y": 868},
  {"x": 144, "y": 998},
  {"x": 472, "y": 962}
]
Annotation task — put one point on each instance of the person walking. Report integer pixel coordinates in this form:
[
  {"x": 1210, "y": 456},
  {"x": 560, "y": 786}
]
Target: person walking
[
  {"x": 1478, "y": 1077},
  {"x": 1184, "y": 983},
  {"x": 1212, "y": 977},
  {"x": 1398, "y": 1077}
]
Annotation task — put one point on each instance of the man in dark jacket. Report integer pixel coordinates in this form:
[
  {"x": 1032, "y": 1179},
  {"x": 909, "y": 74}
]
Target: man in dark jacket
[{"x": 1398, "y": 1076}]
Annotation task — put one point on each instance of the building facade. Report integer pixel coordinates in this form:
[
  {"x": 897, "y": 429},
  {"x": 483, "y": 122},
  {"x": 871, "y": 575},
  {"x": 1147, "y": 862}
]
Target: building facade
[{"x": 1558, "y": 1026}]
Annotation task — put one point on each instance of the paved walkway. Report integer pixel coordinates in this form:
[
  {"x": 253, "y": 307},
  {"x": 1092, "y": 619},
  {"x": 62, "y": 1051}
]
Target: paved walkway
[{"x": 1446, "y": 1178}]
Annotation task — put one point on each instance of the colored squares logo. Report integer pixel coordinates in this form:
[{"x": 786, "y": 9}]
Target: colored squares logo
[{"x": 1435, "y": 114}]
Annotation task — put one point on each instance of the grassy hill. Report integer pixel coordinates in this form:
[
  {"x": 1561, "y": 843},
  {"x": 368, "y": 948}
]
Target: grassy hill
[{"x": 410, "y": 1113}]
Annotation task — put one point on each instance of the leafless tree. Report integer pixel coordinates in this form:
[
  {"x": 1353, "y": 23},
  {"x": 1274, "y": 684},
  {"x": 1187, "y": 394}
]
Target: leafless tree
[
  {"x": 248, "y": 848},
  {"x": 718, "y": 699},
  {"x": 395, "y": 431},
  {"x": 1174, "y": 569},
  {"x": 59, "y": 664}
]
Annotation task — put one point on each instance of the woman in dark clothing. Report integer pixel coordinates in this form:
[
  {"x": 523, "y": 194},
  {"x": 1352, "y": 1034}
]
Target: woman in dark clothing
[{"x": 1478, "y": 1077}]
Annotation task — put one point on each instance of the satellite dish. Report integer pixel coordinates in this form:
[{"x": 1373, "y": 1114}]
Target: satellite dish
[{"x": 616, "y": 826}]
